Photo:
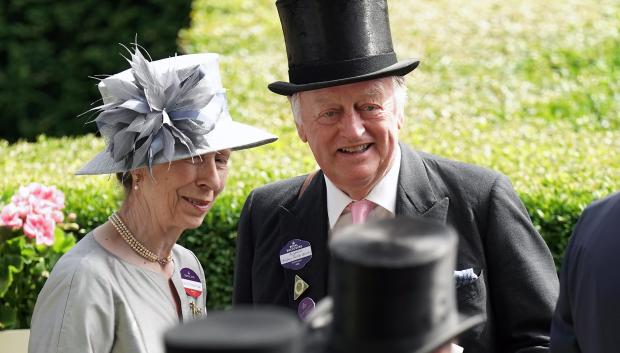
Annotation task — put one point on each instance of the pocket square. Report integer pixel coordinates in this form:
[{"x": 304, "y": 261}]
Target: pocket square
[{"x": 465, "y": 277}]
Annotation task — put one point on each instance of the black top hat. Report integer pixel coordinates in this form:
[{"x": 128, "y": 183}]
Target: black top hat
[
  {"x": 333, "y": 42},
  {"x": 393, "y": 290},
  {"x": 243, "y": 330}
]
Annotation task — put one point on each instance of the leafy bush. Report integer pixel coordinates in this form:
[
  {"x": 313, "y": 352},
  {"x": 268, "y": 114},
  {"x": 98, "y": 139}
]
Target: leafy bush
[
  {"x": 530, "y": 90},
  {"x": 50, "y": 48}
]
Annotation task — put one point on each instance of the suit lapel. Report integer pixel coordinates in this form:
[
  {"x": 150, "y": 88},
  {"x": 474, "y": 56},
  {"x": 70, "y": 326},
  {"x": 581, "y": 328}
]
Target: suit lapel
[
  {"x": 415, "y": 197},
  {"x": 306, "y": 219}
]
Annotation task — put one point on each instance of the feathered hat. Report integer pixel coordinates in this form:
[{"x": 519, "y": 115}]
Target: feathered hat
[{"x": 165, "y": 110}]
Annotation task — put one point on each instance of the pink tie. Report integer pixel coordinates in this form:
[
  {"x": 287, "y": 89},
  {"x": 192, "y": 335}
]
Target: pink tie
[{"x": 360, "y": 210}]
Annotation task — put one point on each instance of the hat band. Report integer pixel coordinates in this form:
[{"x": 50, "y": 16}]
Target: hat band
[{"x": 341, "y": 69}]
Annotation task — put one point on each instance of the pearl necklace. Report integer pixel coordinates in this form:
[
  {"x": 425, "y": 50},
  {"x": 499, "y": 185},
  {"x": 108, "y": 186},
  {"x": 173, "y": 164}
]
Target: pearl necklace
[{"x": 134, "y": 244}]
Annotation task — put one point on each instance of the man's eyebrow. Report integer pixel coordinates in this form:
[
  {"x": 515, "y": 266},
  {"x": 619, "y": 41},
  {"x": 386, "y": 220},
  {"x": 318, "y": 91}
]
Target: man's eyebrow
[
  {"x": 376, "y": 89},
  {"x": 322, "y": 99}
]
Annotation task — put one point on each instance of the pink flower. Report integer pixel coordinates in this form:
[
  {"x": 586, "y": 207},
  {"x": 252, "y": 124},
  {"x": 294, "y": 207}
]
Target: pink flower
[
  {"x": 57, "y": 216},
  {"x": 37, "y": 208},
  {"x": 40, "y": 192},
  {"x": 10, "y": 217},
  {"x": 40, "y": 199},
  {"x": 22, "y": 205},
  {"x": 40, "y": 228}
]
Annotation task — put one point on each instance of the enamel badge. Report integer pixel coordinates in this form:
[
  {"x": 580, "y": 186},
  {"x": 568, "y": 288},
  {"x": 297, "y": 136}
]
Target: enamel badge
[
  {"x": 300, "y": 287},
  {"x": 295, "y": 254},
  {"x": 305, "y": 307},
  {"x": 191, "y": 282}
]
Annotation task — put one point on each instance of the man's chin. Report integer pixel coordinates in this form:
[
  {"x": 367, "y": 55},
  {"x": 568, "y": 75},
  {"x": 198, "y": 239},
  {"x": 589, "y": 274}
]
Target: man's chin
[{"x": 355, "y": 184}]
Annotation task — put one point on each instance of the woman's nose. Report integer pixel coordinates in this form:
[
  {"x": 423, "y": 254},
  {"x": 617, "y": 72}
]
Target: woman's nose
[{"x": 207, "y": 173}]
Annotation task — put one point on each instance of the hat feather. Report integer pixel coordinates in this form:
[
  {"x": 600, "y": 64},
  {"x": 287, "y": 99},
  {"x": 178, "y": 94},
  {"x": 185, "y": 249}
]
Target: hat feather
[{"x": 155, "y": 111}]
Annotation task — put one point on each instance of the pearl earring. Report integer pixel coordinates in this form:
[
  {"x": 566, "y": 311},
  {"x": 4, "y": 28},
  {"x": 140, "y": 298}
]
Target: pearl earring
[{"x": 138, "y": 179}]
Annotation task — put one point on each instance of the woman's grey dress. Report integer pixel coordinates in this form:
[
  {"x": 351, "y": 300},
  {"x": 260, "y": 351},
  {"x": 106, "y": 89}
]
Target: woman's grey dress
[{"x": 95, "y": 302}]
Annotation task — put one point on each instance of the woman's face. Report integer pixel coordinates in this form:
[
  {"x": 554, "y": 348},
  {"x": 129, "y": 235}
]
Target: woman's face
[{"x": 180, "y": 194}]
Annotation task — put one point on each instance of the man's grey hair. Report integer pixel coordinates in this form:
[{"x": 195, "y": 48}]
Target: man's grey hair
[{"x": 400, "y": 98}]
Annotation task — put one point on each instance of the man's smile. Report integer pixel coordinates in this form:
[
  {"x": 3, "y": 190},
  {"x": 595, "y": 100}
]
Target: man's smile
[{"x": 356, "y": 148}]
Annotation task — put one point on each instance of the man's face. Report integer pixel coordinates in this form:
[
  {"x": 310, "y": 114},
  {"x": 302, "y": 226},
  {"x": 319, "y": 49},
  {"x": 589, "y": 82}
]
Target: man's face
[{"x": 352, "y": 131}]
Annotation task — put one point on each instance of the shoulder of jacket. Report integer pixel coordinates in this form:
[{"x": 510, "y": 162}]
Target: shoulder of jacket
[
  {"x": 281, "y": 189},
  {"x": 460, "y": 170},
  {"x": 605, "y": 203}
]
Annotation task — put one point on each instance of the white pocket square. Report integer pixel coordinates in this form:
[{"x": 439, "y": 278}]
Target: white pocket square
[{"x": 465, "y": 277}]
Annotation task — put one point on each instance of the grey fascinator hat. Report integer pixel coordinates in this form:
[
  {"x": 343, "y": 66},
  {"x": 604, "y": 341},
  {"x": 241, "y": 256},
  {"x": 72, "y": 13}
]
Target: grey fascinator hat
[{"x": 161, "y": 111}]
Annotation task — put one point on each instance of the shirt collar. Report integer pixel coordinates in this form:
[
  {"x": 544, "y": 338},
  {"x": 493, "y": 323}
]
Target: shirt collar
[{"x": 383, "y": 194}]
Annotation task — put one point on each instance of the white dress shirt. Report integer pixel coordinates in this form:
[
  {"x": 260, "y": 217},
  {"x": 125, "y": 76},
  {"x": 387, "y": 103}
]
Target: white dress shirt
[{"x": 383, "y": 195}]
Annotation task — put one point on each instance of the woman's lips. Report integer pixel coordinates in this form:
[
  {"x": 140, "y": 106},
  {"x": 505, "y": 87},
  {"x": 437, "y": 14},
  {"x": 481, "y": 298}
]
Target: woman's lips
[{"x": 198, "y": 204}]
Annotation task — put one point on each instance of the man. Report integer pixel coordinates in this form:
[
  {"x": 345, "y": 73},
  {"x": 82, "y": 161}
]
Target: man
[
  {"x": 347, "y": 97},
  {"x": 587, "y": 316}
]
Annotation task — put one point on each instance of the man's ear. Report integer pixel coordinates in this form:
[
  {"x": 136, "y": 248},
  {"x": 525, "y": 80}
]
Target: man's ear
[
  {"x": 301, "y": 132},
  {"x": 400, "y": 121}
]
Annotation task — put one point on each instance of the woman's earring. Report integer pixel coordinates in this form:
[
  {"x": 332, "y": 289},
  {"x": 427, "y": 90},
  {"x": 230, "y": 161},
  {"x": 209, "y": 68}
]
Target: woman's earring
[{"x": 138, "y": 179}]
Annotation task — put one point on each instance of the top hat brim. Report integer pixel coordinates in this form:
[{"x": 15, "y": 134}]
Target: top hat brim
[
  {"x": 437, "y": 338},
  {"x": 323, "y": 314},
  {"x": 445, "y": 335},
  {"x": 399, "y": 69}
]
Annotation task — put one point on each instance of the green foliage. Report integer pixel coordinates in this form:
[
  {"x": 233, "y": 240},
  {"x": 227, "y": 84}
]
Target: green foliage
[
  {"x": 24, "y": 267},
  {"x": 50, "y": 48},
  {"x": 529, "y": 89}
]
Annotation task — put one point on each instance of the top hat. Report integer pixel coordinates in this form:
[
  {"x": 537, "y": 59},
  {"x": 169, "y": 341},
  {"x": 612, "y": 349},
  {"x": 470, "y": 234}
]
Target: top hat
[
  {"x": 393, "y": 289},
  {"x": 160, "y": 111},
  {"x": 241, "y": 330},
  {"x": 334, "y": 42}
]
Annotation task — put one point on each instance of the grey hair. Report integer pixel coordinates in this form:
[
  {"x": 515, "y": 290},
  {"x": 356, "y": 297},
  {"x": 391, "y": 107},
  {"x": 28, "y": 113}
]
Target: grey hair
[
  {"x": 400, "y": 97},
  {"x": 295, "y": 107},
  {"x": 126, "y": 181}
]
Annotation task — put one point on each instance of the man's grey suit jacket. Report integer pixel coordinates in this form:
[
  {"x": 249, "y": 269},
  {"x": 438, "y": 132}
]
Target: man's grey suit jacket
[{"x": 517, "y": 287}]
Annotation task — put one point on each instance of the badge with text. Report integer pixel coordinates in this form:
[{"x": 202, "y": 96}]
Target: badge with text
[
  {"x": 300, "y": 287},
  {"x": 306, "y": 305},
  {"x": 295, "y": 254},
  {"x": 191, "y": 282}
]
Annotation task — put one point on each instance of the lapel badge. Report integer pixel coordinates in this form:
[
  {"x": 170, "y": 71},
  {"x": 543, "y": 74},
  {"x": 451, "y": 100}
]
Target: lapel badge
[
  {"x": 305, "y": 307},
  {"x": 300, "y": 287},
  {"x": 295, "y": 254},
  {"x": 191, "y": 282}
]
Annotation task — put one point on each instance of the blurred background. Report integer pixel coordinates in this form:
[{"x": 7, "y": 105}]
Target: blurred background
[{"x": 531, "y": 89}]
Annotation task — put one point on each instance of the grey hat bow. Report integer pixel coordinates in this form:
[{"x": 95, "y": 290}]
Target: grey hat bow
[{"x": 161, "y": 111}]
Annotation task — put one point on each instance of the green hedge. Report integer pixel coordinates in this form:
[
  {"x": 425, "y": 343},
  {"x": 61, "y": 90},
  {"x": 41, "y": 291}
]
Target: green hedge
[
  {"x": 529, "y": 90},
  {"x": 50, "y": 48}
]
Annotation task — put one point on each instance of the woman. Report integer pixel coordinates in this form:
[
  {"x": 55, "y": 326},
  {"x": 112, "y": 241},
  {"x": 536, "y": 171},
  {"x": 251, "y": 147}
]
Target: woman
[{"x": 169, "y": 138}]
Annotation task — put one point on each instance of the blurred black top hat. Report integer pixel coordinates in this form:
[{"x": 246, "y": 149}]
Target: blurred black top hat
[
  {"x": 334, "y": 42},
  {"x": 243, "y": 330},
  {"x": 393, "y": 290}
]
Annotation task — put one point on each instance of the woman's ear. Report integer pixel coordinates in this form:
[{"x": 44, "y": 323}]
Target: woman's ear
[{"x": 137, "y": 177}]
